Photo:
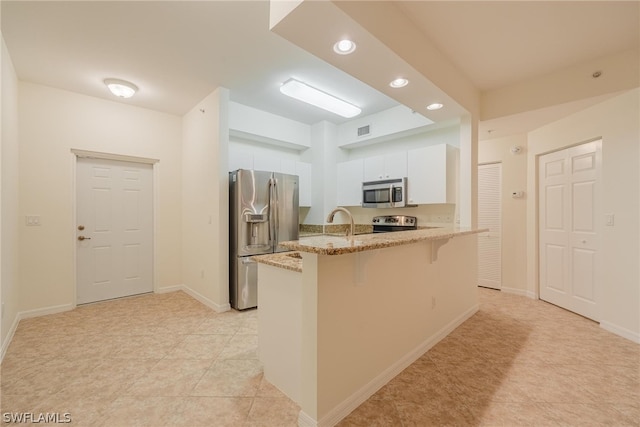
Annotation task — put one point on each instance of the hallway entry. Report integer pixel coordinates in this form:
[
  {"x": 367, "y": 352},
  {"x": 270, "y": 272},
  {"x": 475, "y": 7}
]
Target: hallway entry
[
  {"x": 569, "y": 227},
  {"x": 114, "y": 229}
]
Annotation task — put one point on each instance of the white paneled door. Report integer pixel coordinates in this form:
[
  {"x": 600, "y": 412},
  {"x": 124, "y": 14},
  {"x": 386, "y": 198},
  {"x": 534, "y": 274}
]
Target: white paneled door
[
  {"x": 569, "y": 240},
  {"x": 114, "y": 229},
  {"x": 490, "y": 216}
]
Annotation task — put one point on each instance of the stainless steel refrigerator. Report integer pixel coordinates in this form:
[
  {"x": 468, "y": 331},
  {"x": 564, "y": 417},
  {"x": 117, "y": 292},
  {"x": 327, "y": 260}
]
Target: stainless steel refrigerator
[{"x": 263, "y": 211}]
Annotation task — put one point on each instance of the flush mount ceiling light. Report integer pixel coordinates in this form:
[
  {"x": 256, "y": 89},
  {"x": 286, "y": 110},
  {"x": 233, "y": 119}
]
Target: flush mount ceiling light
[
  {"x": 344, "y": 47},
  {"x": 434, "y": 106},
  {"x": 305, "y": 93},
  {"x": 121, "y": 88},
  {"x": 399, "y": 82}
]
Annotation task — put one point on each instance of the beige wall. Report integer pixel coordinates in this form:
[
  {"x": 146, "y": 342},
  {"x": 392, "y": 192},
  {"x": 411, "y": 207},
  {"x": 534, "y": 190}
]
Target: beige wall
[
  {"x": 52, "y": 122},
  {"x": 514, "y": 211},
  {"x": 617, "y": 122},
  {"x": 205, "y": 196},
  {"x": 9, "y": 226}
]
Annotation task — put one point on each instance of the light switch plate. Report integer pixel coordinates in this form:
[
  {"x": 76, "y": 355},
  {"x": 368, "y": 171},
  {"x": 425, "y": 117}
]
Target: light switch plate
[
  {"x": 609, "y": 220},
  {"x": 32, "y": 220}
]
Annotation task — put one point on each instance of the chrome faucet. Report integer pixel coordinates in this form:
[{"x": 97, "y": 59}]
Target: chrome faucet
[{"x": 333, "y": 213}]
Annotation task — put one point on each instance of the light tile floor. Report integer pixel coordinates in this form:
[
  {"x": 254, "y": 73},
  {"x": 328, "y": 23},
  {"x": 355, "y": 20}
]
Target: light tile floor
[{"x": 167, "y": 360}]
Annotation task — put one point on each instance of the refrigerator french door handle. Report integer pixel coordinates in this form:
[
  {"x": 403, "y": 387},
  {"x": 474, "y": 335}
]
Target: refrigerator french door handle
[
  {"x": 276, "y": 214},
  {"x": 270, "y": 212}
]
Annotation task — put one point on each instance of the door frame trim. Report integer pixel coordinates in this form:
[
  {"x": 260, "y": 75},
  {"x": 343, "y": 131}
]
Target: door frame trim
[{"x": 155, "y": 163}]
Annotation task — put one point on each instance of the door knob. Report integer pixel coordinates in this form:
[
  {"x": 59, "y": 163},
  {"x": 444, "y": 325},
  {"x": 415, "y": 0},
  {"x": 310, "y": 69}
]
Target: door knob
[
  {"x": 81, "y": 227},
  {"x": 81, "y": 238}
]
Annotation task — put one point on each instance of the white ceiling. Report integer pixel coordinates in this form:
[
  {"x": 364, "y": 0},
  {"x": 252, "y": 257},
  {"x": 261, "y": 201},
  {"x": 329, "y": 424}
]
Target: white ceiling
[{"x": 179, "y": 52}]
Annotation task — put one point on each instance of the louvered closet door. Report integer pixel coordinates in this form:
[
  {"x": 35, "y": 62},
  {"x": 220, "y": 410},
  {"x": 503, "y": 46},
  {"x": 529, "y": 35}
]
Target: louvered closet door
[{"x": 490, "y": 216}]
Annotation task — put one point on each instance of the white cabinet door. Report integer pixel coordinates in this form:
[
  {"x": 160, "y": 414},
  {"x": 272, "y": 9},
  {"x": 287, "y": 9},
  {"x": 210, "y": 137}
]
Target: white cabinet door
[
  {"x": 303, "y": 170},
  {"x": 350, "y": 175},
  {"x": 373, "y": 168},
  {"x": 287, "y": 166},
  {"x": 267, "y": 163},
  {"x": 432, "y": 174},
  {"x": 393, "y": 165}
]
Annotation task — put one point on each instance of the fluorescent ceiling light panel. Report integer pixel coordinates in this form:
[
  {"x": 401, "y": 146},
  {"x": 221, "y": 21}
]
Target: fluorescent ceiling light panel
[{"x": 305, "y": 93}]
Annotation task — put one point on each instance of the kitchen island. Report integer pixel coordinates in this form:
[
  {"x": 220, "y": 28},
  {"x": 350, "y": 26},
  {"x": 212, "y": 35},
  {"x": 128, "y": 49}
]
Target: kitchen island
[{"x": 355, "y": 311}]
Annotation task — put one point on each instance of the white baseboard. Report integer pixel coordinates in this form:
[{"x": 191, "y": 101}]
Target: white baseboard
[
  {"x": 9, "y": 337},
  {"x": 521, "y": 292},
  {"x": 206, "y": 301},
  {"x": 359, "y": 397},
  {"x": 26, "y": 315},
  {"x": 305, "y": 420},
  {"x": 196, "y": 295},
  {"x": 167, "y": 289},
  {"x": 619, "y": 330},
  {"x": 46, "y": 310}
]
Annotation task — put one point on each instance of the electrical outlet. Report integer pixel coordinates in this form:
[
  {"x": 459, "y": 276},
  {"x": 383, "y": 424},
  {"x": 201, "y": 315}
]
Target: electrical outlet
[
  {"x": 433, "y": 302},
  {"x": 202, "y": 274},
  {"x": 2, "y": 311}
]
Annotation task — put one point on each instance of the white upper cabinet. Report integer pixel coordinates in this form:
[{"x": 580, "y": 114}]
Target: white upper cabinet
[
  {"x": 288, "y": 166},
  {"x": 240, "y": 160},
  {"x": 392, "y": 165},
  {"x": 349, "y": 188},
  {"x": 432, "y": 174},
  {"x": 267, "y": 163},
  {"x": 303, "y": 170}
]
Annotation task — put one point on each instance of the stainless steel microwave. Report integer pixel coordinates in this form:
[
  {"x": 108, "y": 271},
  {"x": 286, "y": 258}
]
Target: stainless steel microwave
[{"x": 387, "y": 193}]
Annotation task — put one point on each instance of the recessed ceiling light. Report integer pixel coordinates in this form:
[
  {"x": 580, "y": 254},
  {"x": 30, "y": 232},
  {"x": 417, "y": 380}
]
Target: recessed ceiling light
[
  {"x": 121, "y": 88},
  {"x": 344, "y": 47},
  {"x": 305, "y": 93},
  {"x": 399, "y": 82},
  {"x": 434, "y": 106}
]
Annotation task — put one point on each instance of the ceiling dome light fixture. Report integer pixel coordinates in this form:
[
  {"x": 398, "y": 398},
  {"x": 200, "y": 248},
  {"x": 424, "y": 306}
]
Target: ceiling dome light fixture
[
  {"x": 399, "y": 82},
  {"x": 434, "y": 106},
  {"x": 344, "y": 47},
  {"x": 121, "y": 88}
]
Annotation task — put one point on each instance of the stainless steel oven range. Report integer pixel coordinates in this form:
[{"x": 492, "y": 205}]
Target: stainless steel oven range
[{"x": 389, "y": 223}]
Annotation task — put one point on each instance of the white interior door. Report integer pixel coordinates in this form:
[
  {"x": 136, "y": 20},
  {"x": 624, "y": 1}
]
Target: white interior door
[
  {"x": 569, "y": 204},
  {"x": 114, "y": 230},
  {"x": 490, "y": 216}
]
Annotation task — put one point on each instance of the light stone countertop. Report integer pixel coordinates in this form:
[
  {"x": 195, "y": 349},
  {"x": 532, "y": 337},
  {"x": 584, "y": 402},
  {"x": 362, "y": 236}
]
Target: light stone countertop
[
  {"x": 287, "y": 260},
  {"x": 338, "y": 245}
]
